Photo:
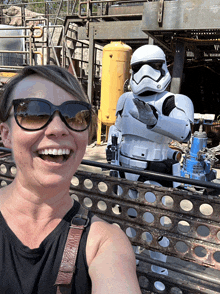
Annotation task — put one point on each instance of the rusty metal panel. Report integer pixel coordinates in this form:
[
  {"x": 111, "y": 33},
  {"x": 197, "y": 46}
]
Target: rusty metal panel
[
  {"x": 120, "y": 9},
  {"x": 180, "y": 206},
  {"x": 190, "y": 222},
  {"x": 182, "y": 15},
  {"x": 114, "y": 30}
]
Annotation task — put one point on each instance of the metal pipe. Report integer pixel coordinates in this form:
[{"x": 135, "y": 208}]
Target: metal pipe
[
  {"x": 14, "y": 37},
  {"x": 179, "y": 269},
  {"x": 58, "y": 12},
  {"x": 22, "y": 36},
  {"x": 41, "y": 55},
  {"x": 114, "y": 15},
  {"x": 197, "y": 40},
  {"x": 150, "y": 174},
  {"x": 11, "y": 66},
  {"x": 54, "y": 52},
  {"x": 106, "y": 1},
  {"x": 14, "y": 51},
  {"x": 37, "y": 28},
  {"x": 13, "y": 28},
  {"x": 31, "y": 3},
  {"x": 70, "y": 60}
]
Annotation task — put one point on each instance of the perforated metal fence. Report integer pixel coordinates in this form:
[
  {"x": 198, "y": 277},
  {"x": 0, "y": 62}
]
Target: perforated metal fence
[{"x": 189, "y": 222}]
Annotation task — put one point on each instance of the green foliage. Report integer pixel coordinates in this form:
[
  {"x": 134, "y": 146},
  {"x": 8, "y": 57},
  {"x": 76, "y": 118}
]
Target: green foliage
[
  {"x": 45, "y": 7},
  {"x": 36, "y": 7}
]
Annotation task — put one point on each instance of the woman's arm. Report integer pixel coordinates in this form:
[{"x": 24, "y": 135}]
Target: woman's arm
[{"x": 111, "y": 260}]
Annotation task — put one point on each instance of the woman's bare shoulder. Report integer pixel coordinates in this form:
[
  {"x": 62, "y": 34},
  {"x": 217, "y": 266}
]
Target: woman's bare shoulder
[
  {"x": 103, "y": 229},
  {"x": 103, "y": 234},
  {"x": 111, "y": 259}
]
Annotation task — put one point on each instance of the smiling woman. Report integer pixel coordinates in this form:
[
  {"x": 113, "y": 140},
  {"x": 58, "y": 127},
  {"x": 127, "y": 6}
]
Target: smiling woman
[{"x": 48, "y": 243}]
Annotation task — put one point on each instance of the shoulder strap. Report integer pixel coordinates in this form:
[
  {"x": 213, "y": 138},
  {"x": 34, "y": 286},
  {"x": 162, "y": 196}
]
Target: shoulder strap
[{"x": 67, "y": 266}]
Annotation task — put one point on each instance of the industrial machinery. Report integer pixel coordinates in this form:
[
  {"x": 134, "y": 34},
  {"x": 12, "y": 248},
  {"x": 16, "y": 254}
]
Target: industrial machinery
[
  {"x": 198, "y": 159},
  {"x": 11, "y": 46},
  {"x": 13, "y": 43}
]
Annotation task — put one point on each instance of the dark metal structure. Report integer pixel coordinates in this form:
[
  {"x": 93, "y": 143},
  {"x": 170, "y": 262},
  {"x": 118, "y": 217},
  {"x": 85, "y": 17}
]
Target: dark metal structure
[
  {"x": 187, "y": 30},
  {"x": 189, "y": 221}
]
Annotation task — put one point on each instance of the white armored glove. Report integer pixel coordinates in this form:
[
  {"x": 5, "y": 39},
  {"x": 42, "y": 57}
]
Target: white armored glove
[{"x": 143, "y": 113}]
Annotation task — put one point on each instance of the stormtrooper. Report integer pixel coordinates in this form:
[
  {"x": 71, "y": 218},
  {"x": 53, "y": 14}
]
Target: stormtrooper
[{"x": 148, "y": 118}]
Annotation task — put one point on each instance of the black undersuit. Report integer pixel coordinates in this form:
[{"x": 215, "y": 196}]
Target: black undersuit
[{"x": 34, "y": 271}]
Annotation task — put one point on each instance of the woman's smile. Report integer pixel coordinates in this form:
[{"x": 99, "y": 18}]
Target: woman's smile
[{"x": 55, "y": 155}]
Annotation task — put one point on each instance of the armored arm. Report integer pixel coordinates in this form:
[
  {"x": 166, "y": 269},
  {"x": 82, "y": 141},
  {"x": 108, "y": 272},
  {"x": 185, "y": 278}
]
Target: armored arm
[
  {"x": 172, "y": 119},
  {"x": 177, "y": 124}
]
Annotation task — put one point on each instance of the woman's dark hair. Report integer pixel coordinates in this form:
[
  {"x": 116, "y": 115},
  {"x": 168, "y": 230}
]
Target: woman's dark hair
[{"x": 58, "y": 75}]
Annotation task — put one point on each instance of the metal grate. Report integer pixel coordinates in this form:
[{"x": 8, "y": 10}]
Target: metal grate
[{"x": 189, "y": 221}]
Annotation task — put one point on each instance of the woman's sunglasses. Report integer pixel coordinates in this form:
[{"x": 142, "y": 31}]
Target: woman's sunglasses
[{"x": 33, "y": 114}]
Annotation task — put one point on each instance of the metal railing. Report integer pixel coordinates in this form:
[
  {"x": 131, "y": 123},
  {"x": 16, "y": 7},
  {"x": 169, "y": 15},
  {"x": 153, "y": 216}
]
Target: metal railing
[{"x": 189, "y": 221}]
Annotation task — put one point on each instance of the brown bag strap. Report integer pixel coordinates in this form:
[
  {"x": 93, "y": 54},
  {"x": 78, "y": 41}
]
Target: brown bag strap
[{"x": 67, "y": 266}]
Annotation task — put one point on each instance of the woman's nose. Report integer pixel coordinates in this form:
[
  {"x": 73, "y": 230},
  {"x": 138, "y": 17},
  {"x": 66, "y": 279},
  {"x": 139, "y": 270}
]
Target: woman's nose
[{"x": 56, "y": 127}]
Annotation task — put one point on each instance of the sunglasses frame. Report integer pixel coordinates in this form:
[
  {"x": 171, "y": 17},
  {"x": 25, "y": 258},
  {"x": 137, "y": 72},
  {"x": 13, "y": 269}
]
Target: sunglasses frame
[{"x": 53, "y": 109}]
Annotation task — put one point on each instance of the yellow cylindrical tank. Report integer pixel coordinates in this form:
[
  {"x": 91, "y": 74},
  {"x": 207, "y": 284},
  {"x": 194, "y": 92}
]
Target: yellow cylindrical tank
[{"x": 115, "y": 71}]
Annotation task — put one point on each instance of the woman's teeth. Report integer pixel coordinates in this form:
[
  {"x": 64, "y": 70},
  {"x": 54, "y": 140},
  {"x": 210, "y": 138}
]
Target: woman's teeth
[
  {"x": 54, "y": 152},
  {"x": 55, "y": 155}
]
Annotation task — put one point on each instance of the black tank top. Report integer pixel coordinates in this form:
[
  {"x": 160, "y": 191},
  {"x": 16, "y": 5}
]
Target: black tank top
[{"x": 34, "y": 271}]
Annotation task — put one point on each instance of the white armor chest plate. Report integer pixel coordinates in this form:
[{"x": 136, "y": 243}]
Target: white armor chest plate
[{"x": 138, "y": 141}]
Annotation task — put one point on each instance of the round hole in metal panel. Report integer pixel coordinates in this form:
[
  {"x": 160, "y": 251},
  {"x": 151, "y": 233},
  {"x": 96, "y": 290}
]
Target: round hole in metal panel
[
  {"x": 3, "y": 183},
  {"x": 159, "y": 286},
  {"x": 102, "y": 205},
  {"x": 102, "y": 187},
  {"x": 117, "y": 190},
  {"x": 147, "y": 237},
  {"x": 88, "y": 184},
  {"x": 183, "y": 226},
  {"x": 206, "y": 209},
  {"x": 165, "y": 221},
  {"x": 144, "y": 282},
  {"x": 132, "y": 213},
  {"x": 186, "y": 205},
  {"x": 13, "y": 170},
  {"x": 181, "y": 247},
  {"x": 148, "y": 217},
  {"x": 3, "y": 169},
  {"x": 130, "y": 232},
  {"x": 75, "y": 181},
  {"x": 216, "y": 256},
  {"x": 87, "y": 202},
  {"x": 150, "y": 197},
  {"x": 163, "y": 241},
  {"x": 74, "y": 197},
  {"x": 175, "y": 290},
  {"x": 203, "y": 231},
  {"x": 133, "y": 193},
  {"x": 167, "y": 201},
  {"x": 116, "y": 209},
  {"x": 200, "y": 251},
  {"x": 117, "y": 225}
]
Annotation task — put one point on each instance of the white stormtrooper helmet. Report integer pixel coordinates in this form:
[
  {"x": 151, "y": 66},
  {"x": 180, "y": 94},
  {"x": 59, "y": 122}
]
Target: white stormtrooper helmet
[{"x": 149, "y": 70}]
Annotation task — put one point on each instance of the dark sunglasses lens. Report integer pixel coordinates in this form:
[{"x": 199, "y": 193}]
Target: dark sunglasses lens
[
  {"x": 77, "y": 116},
  {"x": 32, "y": 114}
]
